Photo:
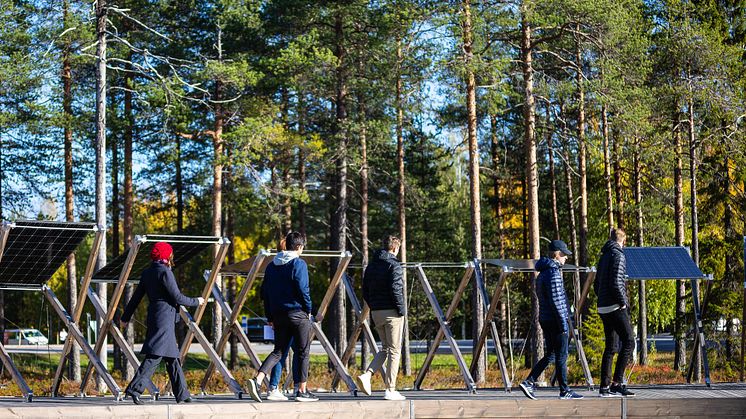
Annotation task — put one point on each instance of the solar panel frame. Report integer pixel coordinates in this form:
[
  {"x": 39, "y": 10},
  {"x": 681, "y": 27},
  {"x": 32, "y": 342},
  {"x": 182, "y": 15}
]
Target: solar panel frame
[
  {"x": 667, "y": 263},
  {"x": 527, "y": 265},
  {"x": 185, "y": 248},
  {"x": 34, "y": 250}
]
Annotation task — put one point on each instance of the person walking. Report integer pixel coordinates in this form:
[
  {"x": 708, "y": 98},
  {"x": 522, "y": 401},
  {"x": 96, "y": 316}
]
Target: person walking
[
  {"x": 554, "y": 318},
  {"x": 383, "y": 291},
  {"x": 613, "y": 307},
  {"x": 287, "y": 306},
  {"x": 164, "y": 298}
]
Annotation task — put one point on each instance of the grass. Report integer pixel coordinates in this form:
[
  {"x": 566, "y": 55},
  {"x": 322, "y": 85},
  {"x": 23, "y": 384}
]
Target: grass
[{"x": 38, "y": 370}]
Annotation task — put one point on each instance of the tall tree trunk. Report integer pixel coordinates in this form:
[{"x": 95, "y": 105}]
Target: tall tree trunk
[
  {"x": 679, "y": 324},
  {"x": 583, "y": 253},
  {"x": 480, "y": 367},
  {"x": 217, "y": 188},
  {"x": 101, "y": 16},
  {"x": 616, "y": 159},
  {"x": 695, "y": 220},
  {"x": 339, "y": 212},
  {"x": 73, "y": 366},
  {"x": 552, "y": 176},
  {"x": 117, "y": 354},
  {"x": 570, "y": 207},
  {"x": 730, "y": 282},
  {"x": 128, "y": 224},
  {"x": 302, "y": 162},
  {"x": 607, "y": 165},
  {"x": 231, "y": 281},
  {"x": 401, "y": 203},
  {"x": 642, "y": 318},
  {"x": 502, "y": 314},
  {"x": 364, "y": 349},
  {"x": 287, "y": 158}
]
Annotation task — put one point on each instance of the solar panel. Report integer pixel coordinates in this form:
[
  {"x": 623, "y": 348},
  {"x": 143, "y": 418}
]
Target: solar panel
[
  {"x": 35, "y": 250},
  {"x": 661, "y": 263},
  {"x": 185, "y": 248}
]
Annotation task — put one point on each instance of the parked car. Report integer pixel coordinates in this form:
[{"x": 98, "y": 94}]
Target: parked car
[
  {"x": 255, "y": 329},
  {"x": 24, "y": 337}
]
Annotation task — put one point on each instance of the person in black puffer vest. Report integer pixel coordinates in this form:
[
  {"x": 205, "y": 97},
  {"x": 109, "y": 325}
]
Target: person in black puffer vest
[
  {"x": 613, "y": 307},
  {"x": 554, "y": 318},
  {"x": 383, "y": 291}
]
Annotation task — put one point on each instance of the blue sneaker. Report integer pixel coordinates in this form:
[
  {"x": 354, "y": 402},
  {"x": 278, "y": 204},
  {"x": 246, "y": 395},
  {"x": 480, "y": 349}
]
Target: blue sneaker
[
  {"x": 528, "y": 389},
  {"x": 570, "y": 395}
]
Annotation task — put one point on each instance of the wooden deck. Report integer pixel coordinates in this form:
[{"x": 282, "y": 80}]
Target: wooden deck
[{"x": 721, "y": 400}]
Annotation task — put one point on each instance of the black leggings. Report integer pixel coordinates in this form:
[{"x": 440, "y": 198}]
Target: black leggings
[
  {"x": 618, "y": 330},
  {"x": 295, "y": 325}
]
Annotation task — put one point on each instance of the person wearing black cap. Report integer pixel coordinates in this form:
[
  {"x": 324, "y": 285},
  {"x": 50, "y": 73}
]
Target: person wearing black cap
[
  {"x": 554, "y": 317},
  {"x": 613, "y": 307},
  {"x": 159, "y": 283}
]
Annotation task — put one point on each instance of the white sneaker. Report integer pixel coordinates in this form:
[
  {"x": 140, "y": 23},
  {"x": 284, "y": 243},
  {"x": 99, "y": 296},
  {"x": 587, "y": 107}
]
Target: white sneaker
[
  {"x": 276, "y": 395},
  {"x": 363, "y": 382},
  {"x": 393, "y": 395}
]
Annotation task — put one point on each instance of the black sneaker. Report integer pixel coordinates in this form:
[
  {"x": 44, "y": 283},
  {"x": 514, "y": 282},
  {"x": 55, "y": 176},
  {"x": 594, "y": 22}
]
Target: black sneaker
[
  {"x": 620, "y": 390},
  {"x": 528, "y": 389},
  {"x": 253, "y": 388},
  {"x": 605, "y": 392},
  {"x": 570, "y": 395},
  {"x": 306, "y": 396}
]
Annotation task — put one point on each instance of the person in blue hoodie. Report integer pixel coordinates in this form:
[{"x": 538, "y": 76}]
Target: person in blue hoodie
[
  {"x": 554, "y": 317},
  {"x": 287, "y": 306}
]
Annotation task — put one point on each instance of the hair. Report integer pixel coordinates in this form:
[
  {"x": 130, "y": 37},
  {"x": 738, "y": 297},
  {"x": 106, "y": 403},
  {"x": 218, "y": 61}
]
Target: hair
[
  {"x": 391, "y": 242},
  {"x": 552, "y": 254},
  {"x": 617, "y": 235},
  {"x": 282, "y": 246},
  {"x": 294, "y": 240}
]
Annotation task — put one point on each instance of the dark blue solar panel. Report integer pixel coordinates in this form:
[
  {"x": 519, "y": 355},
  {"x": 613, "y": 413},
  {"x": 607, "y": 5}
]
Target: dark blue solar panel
[{"x": 660, "y": 263}]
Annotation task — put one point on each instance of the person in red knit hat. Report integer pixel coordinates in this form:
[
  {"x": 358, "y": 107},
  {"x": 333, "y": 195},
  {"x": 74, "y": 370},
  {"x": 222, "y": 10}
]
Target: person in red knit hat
[{"x": 159, "y": 284}]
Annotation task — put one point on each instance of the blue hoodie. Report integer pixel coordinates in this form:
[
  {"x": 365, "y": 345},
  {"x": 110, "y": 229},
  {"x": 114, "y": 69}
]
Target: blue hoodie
[
  {"x": 285, "y": 286},
  {"x": 551, "y": 293}
]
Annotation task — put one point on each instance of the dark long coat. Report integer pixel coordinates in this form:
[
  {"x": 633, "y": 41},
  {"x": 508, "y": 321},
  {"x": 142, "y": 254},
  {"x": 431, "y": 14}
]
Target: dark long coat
[{"x": 159, "y": 284}]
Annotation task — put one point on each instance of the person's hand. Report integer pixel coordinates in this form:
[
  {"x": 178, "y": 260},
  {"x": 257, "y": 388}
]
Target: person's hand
[
  {"x": 122, "y": 325},
  {"x": 272, "y": 325},
  {"x": 318, "y": 318},
  {"x": 623, "y": 307},
  {"x": 201, "y": 300}
]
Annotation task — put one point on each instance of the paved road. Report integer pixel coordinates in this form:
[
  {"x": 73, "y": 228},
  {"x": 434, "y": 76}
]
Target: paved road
[{"x": 663, "y": 343}]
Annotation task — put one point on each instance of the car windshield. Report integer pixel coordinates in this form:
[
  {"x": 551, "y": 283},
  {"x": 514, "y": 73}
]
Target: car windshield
[{"x": 33, "y": 334}]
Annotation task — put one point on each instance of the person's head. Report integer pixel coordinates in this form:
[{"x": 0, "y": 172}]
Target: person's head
[
  {"x": 391, "y": 244},
  {"x": 558, "y": 251},
  {"x": 295, "y": 241},
  {"x": 618, "y": 235},
  {"x": 162, "y": 251}
]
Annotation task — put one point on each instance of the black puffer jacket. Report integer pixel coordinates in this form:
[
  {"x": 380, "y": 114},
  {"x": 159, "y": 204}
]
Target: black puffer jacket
[
  {"x": 610, "y": 286},
  {"x": 383, "y": 286},
  {"x": 551, "y": 293}
]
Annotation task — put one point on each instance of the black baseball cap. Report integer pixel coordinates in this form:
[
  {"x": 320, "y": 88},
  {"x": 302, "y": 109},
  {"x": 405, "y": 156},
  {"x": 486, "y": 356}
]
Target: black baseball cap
[{"x": 561, "y": 246}]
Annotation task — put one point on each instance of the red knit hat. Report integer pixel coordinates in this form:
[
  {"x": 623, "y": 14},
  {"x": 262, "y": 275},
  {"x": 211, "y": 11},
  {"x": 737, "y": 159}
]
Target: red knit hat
[{"x": 161, "y": 251}]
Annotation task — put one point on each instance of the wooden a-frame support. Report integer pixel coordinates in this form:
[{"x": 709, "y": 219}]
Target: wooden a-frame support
[
  {"x": 443, "y": 319},
  {"x": 232, "y": 313},
  {"x": 506, "y": 269},
  {"x": 70, "y": 322},
  {"x": 192, "y": 323}
]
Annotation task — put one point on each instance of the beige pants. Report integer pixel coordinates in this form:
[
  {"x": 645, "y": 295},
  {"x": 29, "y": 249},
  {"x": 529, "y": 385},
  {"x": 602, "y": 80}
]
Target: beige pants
[{"x": 390, "y": 327}]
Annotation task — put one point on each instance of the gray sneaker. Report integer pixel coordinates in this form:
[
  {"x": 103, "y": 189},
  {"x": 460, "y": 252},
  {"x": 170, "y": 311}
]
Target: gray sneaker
[
  {"x": 570, "y": 395},
  {"x": 253, "y": 388},
  {"x": 528, "y": 389},
  {"x": 306, "y": 396}
]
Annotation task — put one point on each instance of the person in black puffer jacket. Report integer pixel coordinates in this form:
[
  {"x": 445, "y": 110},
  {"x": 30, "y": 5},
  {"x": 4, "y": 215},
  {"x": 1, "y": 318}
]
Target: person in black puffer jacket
[
  {"x": 554, "y": 318},
  {"x": 613, "y": 307},
  {"x": 383, "y": 291}
]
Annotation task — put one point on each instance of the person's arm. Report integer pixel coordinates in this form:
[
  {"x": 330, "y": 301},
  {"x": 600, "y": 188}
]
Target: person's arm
[
  {"x": 558, "y": 299},
  {"x": 397, "y": 288},
  {"x": 173, "y": 292},
  {"x": 129, "y": 310},
  {"x": 264, "y": 294},
  {"x": 619, "y": 268},
  {"x": 300, "y": 278}
]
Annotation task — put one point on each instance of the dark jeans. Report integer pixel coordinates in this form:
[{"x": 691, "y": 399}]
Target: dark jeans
[
  {"x": 618, "y": 329},
  {"x": 274, "y": 378},
  {"x": 555, "y": 351},
  {"x": 296, "y": 326},
  {"x": 146, "y": 370}
]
